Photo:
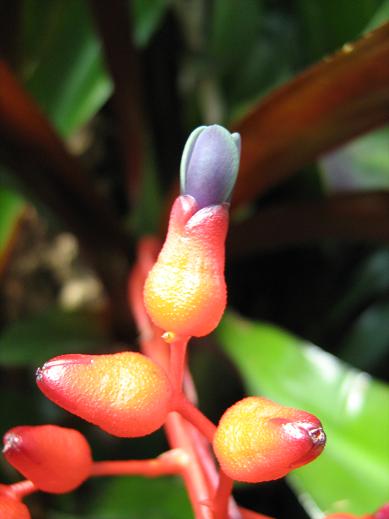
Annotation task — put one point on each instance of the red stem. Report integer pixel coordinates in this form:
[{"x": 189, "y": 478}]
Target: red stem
[
  {"x": 169, "y": 463},
  {"x": 177, "y": 363},
  {"x": 195, "y": 417},
  {"x": 22, "y": 489},
  {"x": 195, "y": 481},
  {"x": 222, "y": 496}
]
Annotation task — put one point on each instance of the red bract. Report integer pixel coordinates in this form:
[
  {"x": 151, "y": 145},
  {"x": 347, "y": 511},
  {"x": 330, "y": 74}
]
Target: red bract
[
  {"x": 11, "y": 508},
  {"x": 260, "y": 440},
  {"x": 54, "y": 458},
  {"x": 185, "y": 292},
  {"x": 383, "y": 513},
  {"x": 126, "y": 394}
]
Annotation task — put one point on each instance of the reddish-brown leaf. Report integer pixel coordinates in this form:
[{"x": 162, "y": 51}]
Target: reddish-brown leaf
[
  {"x": 341, "y": 97},
  {"x": 358, "y": 216}
]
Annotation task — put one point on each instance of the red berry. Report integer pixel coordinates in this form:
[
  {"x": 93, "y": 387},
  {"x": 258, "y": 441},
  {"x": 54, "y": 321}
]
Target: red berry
[
  {"x": 11, "y": 508},
  {"x": 126, "y": 394},
  {"x": 260, "y": 440},
  {"x": 54, "y": 458}
]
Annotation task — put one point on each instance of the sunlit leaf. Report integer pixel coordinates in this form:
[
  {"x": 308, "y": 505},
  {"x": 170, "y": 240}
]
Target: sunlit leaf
[
  {"x": 53, "y": 332},
  {"x": 353, "y": 472},
  {"x": 65, "y": 71}
]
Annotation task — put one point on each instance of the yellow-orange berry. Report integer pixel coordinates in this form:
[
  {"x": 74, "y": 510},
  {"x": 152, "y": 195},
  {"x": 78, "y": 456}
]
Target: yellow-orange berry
[
  {"x": 185, "y": 292},
  {"x": 260, "y": 440},
  {"x": 56, "y": 459},
  {"x": 126, "y": 394}
]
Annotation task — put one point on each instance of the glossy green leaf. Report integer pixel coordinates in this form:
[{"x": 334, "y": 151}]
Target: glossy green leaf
[
  {"x": 352, "y": 474},
  {"x": 136, "y": 497},
  {"x": 53, "y": 332},
  {"x": 64, "y": 70},
  {"x": 11, "y": 207}
]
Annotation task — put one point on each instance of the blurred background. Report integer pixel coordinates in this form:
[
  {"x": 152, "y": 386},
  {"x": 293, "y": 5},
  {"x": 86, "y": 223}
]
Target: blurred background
[{"x": 96, "y": 102}]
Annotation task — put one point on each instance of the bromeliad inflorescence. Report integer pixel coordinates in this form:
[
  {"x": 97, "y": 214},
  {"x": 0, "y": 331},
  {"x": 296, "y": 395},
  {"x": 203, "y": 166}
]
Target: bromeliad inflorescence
[{"x": 132, "y": 394}]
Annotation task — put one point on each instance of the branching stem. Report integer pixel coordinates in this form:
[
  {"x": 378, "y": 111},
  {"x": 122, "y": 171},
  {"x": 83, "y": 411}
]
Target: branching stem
[
  {"x": 22, "y": 489},
  {"x": 191, "y": 413}
]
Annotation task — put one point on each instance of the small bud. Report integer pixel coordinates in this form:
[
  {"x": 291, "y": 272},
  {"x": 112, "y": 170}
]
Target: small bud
[
  {"x": 11, "y": 508},
  {"x": 210, "y": 164},
  {"x": 185, "y": 292},
  {"x": 259, "y": 440},
  {"x": 55, "y": 459},
  {"x": 126, "y": 394}
]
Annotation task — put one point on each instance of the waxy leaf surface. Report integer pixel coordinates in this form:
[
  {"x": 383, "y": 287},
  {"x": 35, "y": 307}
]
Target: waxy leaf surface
[{"x": 352, "y": 474}]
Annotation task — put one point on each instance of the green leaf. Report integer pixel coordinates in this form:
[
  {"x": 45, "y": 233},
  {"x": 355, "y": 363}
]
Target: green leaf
[
  {"x": 328, "y": 25},
  {"x": 147, "y": 17},
  {"x": 352, "y": 474},
  {"x": 138, "y": 498},
  {"x": 64, "y": 70},
  {"x": 361, "y": 165},
  {"x": 368, "y": 282},
  {"x": 51, "y": 333},
  {"x": 230, "y": 24},
  {"x": 380, "y": 16},
  {"x": 11, "y": 207},
  {"x": 365, "y": 345}
]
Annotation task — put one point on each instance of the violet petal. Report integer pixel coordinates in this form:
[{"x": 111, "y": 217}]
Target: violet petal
[{"x": 209, "y": 165}]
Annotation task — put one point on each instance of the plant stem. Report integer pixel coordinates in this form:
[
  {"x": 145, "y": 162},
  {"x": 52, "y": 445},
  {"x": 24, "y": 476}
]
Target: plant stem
[
  {"x": 177, "y": 363},
  {"x": 198, "y": 486},
  {"x": 22, "y": 489},
  {"x": 222, "y": 496},
  {"x": 195, "y": 417},
  {"x": 169, "y": 463}
]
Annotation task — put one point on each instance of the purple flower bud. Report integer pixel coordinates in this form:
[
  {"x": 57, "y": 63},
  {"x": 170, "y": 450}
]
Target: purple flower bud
[{"x": 210, "y": 164}]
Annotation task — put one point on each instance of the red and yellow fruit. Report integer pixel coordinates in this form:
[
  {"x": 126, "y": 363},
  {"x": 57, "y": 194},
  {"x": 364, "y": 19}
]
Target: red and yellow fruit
[
  {"x": 259, "y": 440},
  {"x": 185, "y": 292},
  {"x": 126, "y": 394}
]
